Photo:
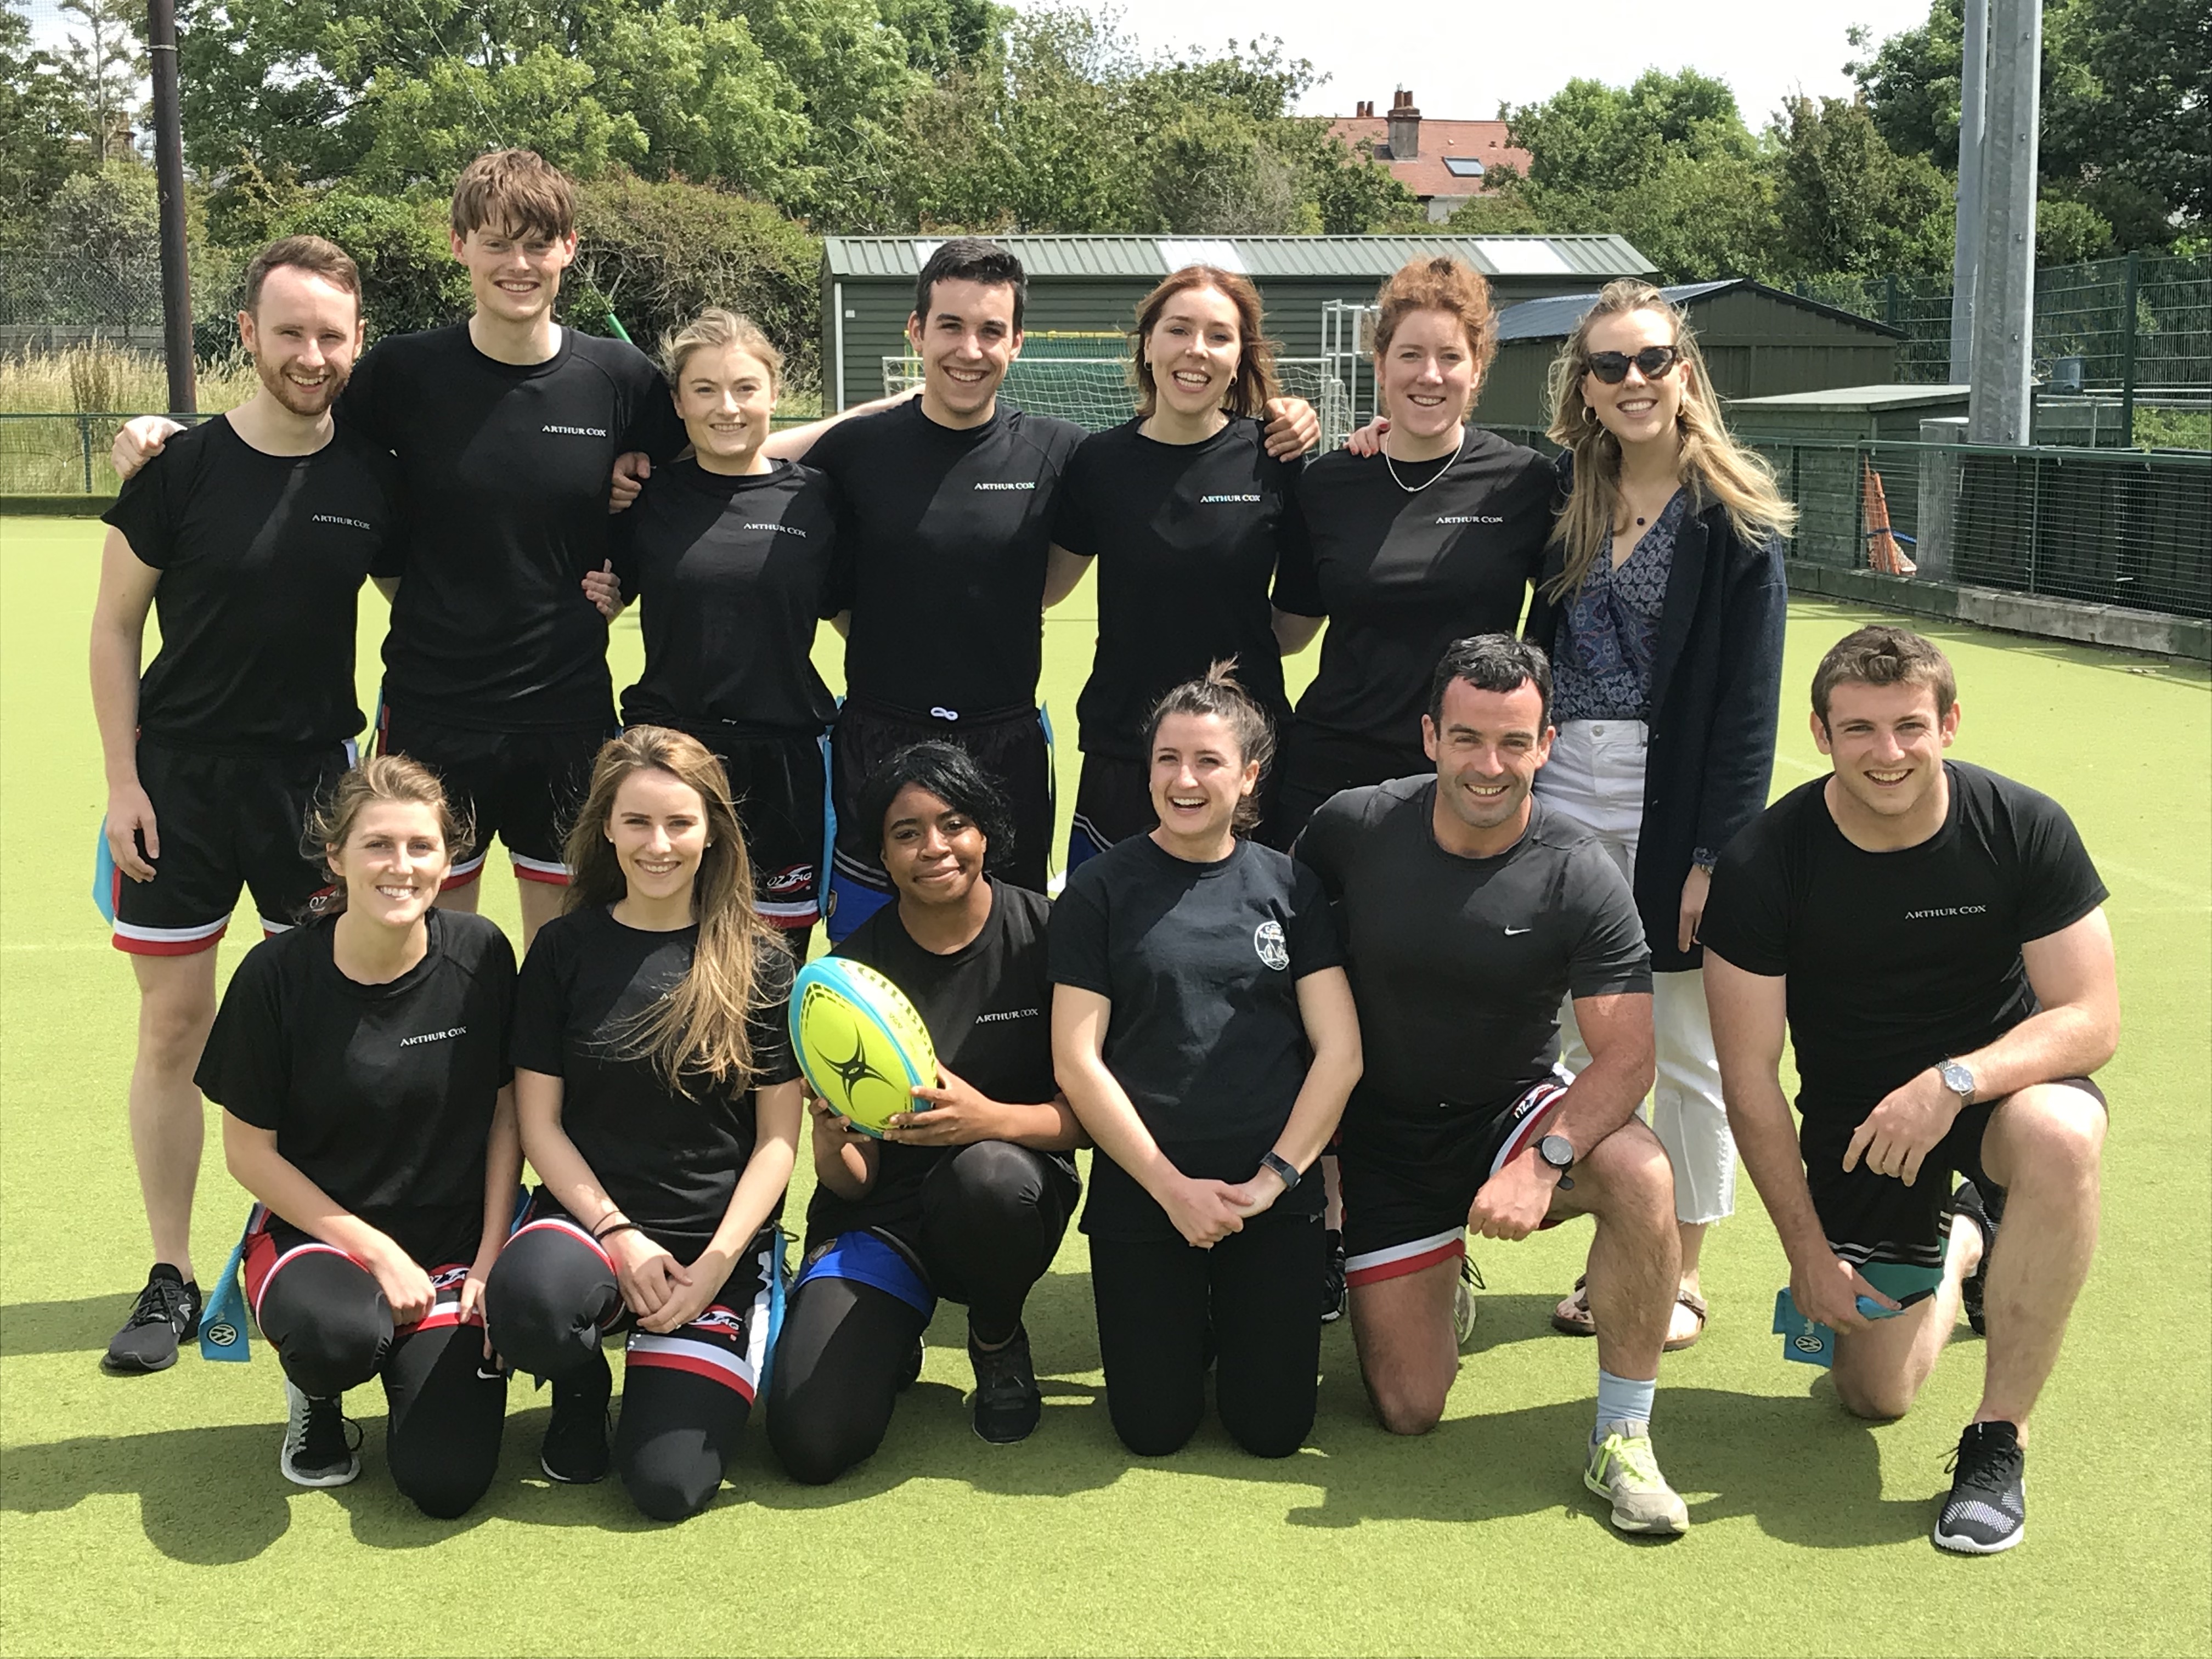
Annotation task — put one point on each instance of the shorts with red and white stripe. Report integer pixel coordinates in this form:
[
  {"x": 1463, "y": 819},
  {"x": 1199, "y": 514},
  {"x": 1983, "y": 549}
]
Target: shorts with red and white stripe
[
  {"x": 324, "y": 1314},
  {"x": 223, "y": 823},
  {"x": 1410, "y": 1175},
  {"x": 554, "y": 1297}
]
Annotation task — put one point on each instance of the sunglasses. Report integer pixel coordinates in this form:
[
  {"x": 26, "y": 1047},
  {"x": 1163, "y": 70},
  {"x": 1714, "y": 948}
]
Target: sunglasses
[{"x": 1653, "y": 363}]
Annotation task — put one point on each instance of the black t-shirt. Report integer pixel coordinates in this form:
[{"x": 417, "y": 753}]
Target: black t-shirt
[
  {"x": 732, "y": 573},
  {"x": 381, "y": 1095},
  {"x": 506, "y": 468},
  {"x": 1185, "y": 536},
  {"x": 1898, "y": 961},
  {"x": 1459, "y": 964},
  {"x": 941, "y": 553},
  {"x": 670, "y": 1161},
  {"x": 1201, "y": 963},
  {"x": 988, "y": 1007},
  {"x": 262, "y": 558},
  {"x": 1400, "y": 574}
]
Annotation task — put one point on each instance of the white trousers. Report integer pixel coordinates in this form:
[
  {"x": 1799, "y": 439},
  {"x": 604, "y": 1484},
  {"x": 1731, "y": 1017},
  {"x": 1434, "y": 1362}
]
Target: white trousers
[{"x": 1595, "y": 778}]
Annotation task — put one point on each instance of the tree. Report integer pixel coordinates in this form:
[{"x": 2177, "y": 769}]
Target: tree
[
  {"x": 103, "y": 67},
  {"x": 35, "y": 127},
  {"x": 1847, "y": 203}
]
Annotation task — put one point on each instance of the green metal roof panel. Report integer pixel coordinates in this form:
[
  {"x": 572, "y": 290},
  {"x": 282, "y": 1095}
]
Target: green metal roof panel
[
  {"x": 1318, "y": 258},
  {"x": 1554, "y": 319}
]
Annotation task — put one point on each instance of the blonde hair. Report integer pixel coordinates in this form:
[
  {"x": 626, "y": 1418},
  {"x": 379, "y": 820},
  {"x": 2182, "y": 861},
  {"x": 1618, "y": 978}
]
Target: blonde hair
[
  {"x": 1446, "y": 284},
  {"x": 1256, "y": 383},
  {"x": 393, "y": 778},
  {"x": 1713, "y": 464},
  {"x": 718, "y": 329},
  {"x": 701, "y": 1026}
]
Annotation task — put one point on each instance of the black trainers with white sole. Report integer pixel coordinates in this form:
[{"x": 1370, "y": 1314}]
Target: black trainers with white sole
[
  {"x": 321, "y": 1448},
  {"x": 1987, "y": 1510},
  {"x": 575, "y": 1450},
  {"x": 166, "y": 1312},
  {"x": 1333, "y": 1289},
  {"x": 1008, "y": 1402}
]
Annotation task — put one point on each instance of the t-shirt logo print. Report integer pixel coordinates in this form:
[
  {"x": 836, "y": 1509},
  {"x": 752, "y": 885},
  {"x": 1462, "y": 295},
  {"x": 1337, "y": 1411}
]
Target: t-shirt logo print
[{"x": 1268, "y": 940}]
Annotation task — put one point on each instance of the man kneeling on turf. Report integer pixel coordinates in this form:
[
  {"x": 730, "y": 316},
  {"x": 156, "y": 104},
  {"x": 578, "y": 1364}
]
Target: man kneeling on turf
[
  {"x": 1932, "y": 936},
  {"x": 1467, "y": 910}
]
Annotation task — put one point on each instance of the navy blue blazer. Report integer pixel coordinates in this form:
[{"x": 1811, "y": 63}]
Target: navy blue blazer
[{"x": 1715, "y": 686}]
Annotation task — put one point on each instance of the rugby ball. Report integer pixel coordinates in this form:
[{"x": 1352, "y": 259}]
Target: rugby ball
[{"x": 861, "y": 1042}]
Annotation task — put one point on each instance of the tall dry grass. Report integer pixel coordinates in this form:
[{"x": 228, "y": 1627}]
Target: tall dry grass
[{"x": 48, "y": 456}]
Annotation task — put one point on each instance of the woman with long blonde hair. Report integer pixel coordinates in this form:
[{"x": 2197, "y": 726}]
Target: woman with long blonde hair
[
  {"x": 1662, "y": 603},
  {"x": 660, "y": 1105}
]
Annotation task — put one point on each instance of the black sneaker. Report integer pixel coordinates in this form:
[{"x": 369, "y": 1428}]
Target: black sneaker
[
  {"x": 574, "y": 1451},
  {"x": 1007, "y": 1401},
  {"x": 1333, "y": 1292},
  {"x": 1966, "y": 1200},
  {"x": 1987, "y": 1510},
  {"x": 168, "y": 1311},
  {"x": 320, "y": 1447},
  {"x": 912, "y": 1373}
]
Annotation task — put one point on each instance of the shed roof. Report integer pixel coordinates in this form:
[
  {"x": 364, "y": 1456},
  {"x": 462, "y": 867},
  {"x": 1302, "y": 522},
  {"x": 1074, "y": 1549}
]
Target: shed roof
[
  {"x": 1554, "y": 318},
  {"x": 1147, "y": 258},
  {"x": 1862, "y": 399}
]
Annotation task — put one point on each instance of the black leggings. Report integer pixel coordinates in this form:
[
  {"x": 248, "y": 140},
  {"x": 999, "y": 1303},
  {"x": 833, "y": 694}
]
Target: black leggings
[
  {"x": 991, "y": 1218},
  {"x": 551, "y": 1300},
  {"x": 332, "y": 1328},
  {"x": 1256, "y": 1288}
]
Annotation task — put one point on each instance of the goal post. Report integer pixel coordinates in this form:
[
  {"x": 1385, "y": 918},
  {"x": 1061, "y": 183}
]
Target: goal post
[{"x": 1093, "y": 389}]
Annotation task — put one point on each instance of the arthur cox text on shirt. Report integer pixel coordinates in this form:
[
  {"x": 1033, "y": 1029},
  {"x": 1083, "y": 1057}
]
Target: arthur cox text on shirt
[{"x": 434, "y": 1036}]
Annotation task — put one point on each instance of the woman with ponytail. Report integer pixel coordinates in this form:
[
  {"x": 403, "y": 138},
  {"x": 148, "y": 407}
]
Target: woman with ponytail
[
  {"x": 1662, "y": 603},
  {"x": 660, "y": 1105}
]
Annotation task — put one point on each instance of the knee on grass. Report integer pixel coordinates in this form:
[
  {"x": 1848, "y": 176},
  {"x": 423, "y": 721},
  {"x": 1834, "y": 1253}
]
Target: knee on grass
[
  {"x": 443, "y": 1488},
  {"x": 1882, "y": 1399},
  {"x": 672, "y": 1475},
  {"x": 814, "y": 1446}
]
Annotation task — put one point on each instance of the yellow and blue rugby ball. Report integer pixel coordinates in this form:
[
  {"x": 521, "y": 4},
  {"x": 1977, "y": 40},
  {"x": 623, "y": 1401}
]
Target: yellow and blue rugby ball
[{"x": 861, "y": 1042}]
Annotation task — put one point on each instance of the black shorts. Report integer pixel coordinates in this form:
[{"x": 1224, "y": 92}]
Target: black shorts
[
  {"x": 1010, "y": 746},
  {"x": 524, "y": 787},
  {"x": 224, "y": 822},
  {"x": 1410, "y": 1179},
  {"x": 1876, "y": 1218},
  {"x": 1315, "y": 764},
  {"x": 783, "y": 797},
  {"x": 1114, "y": 801}
]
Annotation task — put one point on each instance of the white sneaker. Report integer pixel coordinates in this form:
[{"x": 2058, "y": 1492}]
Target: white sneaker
[
  {"x": 1464, "y": 1310},
  {"x": 318, "y": 1450},
  {"x": 1623, "y": 1468}
]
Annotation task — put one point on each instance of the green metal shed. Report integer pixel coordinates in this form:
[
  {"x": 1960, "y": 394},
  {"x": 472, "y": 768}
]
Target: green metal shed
[
  {"x": 1758, "y": 342},
  {"x": 1092, "y": 284}
]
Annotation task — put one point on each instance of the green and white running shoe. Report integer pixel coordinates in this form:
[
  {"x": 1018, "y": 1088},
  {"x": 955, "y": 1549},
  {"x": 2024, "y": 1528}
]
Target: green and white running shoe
[
  {"x": 1623, "y": 1468},
  {"x": 1464, "y": 1310}
]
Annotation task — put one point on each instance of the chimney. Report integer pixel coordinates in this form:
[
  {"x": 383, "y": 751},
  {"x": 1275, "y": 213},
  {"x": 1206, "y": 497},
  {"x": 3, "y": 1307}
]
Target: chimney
[
  {"x": 1405, "y": 128},
  {"x": 1366, "y": 110}
]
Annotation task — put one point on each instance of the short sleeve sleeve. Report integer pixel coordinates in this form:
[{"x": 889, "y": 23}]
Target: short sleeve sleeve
[
  {"x": 828, "y": 456},
  {"x": 1311, "y": 935},
  {"x": 622, "y": 546},
  {"x": 1322, "y": 844},
  {"x": 1610, "y": 958},
  {"x": 1298, "y": 583},
  {"x": 245, "y": 1066},
  {"x": 1746, "y": 919},
  {"x": 1072, "y": 519},
  {"x": 1077, "y": 945},
  {"x": 773, "y": 1060},
  {"x": 496, "y": 973},
  {"x": 361, "y": 406},
  {"x": 537, "y": 1042},
  {"x": 143, "y": 512},
  {"x": 2058, "y": 884},
  {"x": 390, "y": 559},
  {"x": 652, "y": 425}
]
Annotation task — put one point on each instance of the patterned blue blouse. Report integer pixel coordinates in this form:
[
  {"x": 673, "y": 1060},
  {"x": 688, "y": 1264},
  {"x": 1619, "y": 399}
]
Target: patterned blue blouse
[{"x": 1608, "y": 633}]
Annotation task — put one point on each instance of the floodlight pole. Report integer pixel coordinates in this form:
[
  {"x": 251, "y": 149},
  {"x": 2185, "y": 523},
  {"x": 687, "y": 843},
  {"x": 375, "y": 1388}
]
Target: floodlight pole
[
  {"x": 169, "y": 180},
  {"x": 1974, "y": 66},
  {"x": 2001, "y": 408}
]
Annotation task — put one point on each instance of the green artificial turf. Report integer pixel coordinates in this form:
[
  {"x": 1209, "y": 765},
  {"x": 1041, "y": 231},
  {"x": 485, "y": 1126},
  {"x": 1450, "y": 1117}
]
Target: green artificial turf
[{"x": 146, "y": 1515}]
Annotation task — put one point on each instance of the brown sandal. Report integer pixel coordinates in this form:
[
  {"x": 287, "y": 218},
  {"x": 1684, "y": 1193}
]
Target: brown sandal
[
  {"x": 1572, "y": 1316},
  {"x": 1696, "y": 1305}
]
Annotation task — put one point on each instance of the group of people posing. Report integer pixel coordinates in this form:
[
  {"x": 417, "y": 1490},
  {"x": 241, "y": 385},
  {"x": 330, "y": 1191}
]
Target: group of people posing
[{"x": 1326, "y": 987}]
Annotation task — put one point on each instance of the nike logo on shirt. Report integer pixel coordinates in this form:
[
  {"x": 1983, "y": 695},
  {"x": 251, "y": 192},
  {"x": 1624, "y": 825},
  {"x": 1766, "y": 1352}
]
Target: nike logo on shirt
[{"x": 1511, "y": 930}]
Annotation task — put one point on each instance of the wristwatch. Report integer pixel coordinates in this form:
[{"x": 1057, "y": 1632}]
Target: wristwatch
[
  {"x": 1958, "y": 1079},
  {"x": 1557, "y": 1151},
  {"x": 1285, "y": 1171}
]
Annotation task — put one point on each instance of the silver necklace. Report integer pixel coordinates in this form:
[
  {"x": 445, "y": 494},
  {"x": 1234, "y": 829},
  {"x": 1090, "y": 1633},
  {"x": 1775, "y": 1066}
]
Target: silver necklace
[{"x": 1415, "y": 489}]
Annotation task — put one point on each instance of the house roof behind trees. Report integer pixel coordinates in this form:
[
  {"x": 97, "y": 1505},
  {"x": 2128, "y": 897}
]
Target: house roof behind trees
[{"x": 1592, "y": 257}]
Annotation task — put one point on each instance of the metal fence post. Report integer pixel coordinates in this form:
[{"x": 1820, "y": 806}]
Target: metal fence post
[
  {"x": 2132, "y": 287},
  {"x": 84, "y": 443}
]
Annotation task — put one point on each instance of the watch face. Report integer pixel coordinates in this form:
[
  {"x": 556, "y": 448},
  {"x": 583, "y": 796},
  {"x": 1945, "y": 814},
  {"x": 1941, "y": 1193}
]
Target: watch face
[{"x": 1556, "y": 1151}]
